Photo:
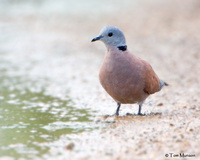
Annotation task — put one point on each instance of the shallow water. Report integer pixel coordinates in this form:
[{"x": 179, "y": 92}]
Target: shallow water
[{"x": 29, "y": 119}]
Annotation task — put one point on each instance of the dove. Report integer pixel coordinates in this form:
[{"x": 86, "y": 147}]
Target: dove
[{"x": 127, "y": 78}]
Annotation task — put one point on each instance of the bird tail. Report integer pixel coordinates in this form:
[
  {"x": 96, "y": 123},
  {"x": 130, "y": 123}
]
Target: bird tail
[{"x": 162, "y": 84}]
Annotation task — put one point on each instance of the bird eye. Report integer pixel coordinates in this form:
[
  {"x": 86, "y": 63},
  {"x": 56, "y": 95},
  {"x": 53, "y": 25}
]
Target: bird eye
[{"x": 110, "y": 34}]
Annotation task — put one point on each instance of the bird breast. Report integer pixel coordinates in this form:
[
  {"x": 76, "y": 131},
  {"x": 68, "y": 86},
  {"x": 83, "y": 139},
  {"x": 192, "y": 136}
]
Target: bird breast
[{"x": 121, "y": 76}]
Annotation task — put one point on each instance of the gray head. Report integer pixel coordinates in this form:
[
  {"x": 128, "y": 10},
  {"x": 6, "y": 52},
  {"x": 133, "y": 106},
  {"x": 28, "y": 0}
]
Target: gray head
[{"x": 111, "y": 36}]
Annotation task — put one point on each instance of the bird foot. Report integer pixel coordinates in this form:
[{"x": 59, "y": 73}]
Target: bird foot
[
  {"x": 140, "y": 114},
  {"x": 116, "y": 114}
]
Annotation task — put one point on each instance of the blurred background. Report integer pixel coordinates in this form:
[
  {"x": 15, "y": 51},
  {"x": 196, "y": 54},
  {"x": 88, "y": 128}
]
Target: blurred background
[{"x": 49, "y": 86}]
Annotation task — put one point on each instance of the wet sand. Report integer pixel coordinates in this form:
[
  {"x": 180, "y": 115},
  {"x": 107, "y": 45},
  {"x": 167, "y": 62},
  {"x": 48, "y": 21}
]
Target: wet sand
[{"x": 166, "y": 34}]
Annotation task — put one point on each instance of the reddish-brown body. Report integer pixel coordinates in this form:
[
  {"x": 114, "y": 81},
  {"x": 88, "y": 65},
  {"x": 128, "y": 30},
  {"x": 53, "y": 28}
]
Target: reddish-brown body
[{"x": 127, "y": 78}]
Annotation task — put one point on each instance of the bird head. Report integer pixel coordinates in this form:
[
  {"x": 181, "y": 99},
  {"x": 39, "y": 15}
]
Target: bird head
[{"x": 111, "y": 36}]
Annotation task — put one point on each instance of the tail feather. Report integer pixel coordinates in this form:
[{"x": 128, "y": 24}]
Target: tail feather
[
  {"x": 166, "y": 84},
  {"x": 162, "y": 84}
]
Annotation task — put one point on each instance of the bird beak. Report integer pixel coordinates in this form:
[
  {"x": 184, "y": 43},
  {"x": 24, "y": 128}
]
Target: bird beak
[{"x": 96, "y": 38}]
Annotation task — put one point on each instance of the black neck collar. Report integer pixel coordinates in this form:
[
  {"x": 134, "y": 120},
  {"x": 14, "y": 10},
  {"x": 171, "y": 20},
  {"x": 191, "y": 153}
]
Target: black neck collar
[{"x": 122, "y": 48}]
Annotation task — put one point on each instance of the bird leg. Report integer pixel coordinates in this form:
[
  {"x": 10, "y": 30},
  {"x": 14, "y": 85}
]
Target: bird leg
[
  {"x": 118, "y": 107},
  {"x": 139, "y": 111}
]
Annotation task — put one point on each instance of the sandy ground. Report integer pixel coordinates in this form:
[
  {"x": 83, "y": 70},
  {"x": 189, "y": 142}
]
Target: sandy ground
[{"x": 166, "y": 34}]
